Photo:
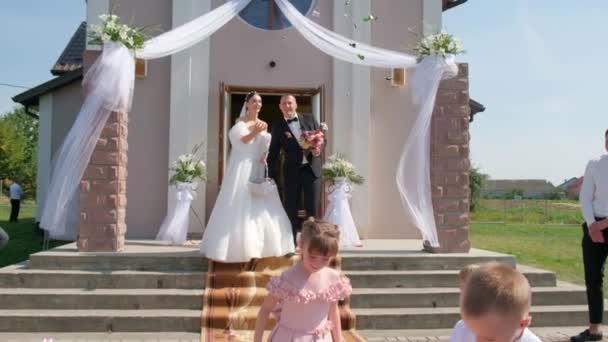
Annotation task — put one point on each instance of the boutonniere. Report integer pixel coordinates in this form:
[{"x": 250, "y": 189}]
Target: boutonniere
[{"x": 288, "y": 135}]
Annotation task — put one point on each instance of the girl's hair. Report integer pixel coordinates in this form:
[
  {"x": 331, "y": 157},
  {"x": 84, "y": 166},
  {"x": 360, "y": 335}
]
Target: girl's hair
[
  {"x": 320, "y": 236},
  {"x": 250, "y": 95}
]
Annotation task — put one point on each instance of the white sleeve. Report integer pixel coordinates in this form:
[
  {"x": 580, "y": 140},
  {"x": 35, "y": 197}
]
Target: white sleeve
[
  {"x": 459, "y": 333},
  {"x": 528, "y": 336},
  {"x": 587, "y": 194},
  {"x": 236, "y": 133}
]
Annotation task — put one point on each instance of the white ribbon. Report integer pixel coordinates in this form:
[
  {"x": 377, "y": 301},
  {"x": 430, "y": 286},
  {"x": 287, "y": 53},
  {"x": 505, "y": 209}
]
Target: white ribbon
[
  {"x": 338, "y": 212},
  {"x": 174, "y": 229}
]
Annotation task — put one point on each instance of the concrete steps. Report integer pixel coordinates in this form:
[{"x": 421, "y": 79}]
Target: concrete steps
[
  {"x": 174, "y": 262},
  {"x": 445, "y": 318},
  {"x": 435, "y": 297},
  {"x": 437, "y": 278},
  {"x": 152, "y": 288},
  {"x": 100, "y": 320},
  {"x": 20, "y": 276},
  {"x": 415, "y": 261},
  {"x": 91, "y": 299}
]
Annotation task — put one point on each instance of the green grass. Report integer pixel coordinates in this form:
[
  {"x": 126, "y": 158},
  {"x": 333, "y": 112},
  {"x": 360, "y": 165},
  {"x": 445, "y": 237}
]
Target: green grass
[
  {"x": 555, "y": 248},
  {"x": 528, "y": 211},
  {"x": 22, "y": 242}
]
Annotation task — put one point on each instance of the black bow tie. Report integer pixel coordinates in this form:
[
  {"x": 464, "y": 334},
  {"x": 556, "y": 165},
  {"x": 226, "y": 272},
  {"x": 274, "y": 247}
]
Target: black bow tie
[{"x": 291, "y": 120}]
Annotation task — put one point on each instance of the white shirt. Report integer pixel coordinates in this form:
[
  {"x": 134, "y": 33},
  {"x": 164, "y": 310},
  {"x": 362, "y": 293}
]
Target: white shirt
[
  {"x": 15, "y": 191},
  {"x": 461, "y": 333},
  {"x": 296, "y": 130},
  {"x": 594, "y": 191}
]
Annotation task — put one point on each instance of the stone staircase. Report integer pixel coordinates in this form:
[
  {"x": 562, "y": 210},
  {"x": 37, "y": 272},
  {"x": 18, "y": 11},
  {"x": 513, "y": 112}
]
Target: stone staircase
[
  {"x": 400, "y": 291},
  {"x": 147, "y": 288},
  {"x": 152, "y": 288}
]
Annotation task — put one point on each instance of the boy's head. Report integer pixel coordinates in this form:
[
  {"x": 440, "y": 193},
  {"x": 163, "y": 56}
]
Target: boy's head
[
  {"x": 465, "y": 274},
  {"x": 495, "y": 303}
]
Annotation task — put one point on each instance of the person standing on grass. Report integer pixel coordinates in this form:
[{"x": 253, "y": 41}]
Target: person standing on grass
[
  {"x": 594, "y": 205},
  {"x": 15, "y": 194}
]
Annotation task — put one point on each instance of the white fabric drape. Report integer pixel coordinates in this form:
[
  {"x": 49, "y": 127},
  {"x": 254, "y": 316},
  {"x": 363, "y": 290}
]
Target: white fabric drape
[
  {"x": 338, "y": 212},
  {"x": 174, "y": 229},
  {"x": 192, "y": 32},
  {"x": 341, "y": 47},
  {"x": 108, "y": 87},
  {"x": 414, "y": 182},
  {"x": 413, "y": 170}
]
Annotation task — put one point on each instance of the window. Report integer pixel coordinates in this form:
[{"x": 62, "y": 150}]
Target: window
[{"x": 266, "y": 15}]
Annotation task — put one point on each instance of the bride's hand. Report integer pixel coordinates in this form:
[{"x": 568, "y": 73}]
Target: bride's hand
[{"x": 259, "y": 127}]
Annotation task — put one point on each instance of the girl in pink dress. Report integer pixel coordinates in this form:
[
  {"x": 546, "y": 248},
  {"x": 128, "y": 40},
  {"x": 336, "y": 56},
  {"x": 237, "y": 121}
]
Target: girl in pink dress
[{"x": 308, "y": 292}]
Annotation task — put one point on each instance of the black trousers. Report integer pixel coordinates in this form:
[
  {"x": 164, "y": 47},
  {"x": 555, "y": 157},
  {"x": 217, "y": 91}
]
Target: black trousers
[
  {"x": 15, "y": 206},
  {"x": 301, "y": 180},
  {"x": 594, "y": 258}
]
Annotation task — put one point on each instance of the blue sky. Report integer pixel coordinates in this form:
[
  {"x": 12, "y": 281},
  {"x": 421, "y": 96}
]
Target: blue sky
[
  {"x": 34, "y": 33},
  {"x": 537, "y": 66}
]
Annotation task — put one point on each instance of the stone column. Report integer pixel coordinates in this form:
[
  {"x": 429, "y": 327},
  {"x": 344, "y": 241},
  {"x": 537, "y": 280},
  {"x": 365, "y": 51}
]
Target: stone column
[
  {"x": 103, "y": 198},
  {"x": 450, "y": 163}
]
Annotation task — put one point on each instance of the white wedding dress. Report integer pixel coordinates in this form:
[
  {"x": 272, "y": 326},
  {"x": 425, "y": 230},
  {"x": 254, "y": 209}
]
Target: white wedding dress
[{"x": 242, "y": 226}]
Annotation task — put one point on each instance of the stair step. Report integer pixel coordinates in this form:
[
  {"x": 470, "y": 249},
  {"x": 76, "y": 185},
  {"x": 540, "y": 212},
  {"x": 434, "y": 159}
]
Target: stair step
[
  {"x": 86, "y": 299},
  {"x": 101, "y": 336},
  {"x": 100, "y": 320},
  {"x": 416, "y": 261},
  {"x": 423, "y": 279},
  {"x": 18, "y": 276},
  {"x": 445, "y": 318},
  {"x": 431, "y": 297},
  {"x": 442, "y": 335},
  {"x": 138, "y": 257}
]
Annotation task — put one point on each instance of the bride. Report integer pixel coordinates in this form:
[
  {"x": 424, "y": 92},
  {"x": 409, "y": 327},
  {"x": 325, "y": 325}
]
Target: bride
[{"x": 242, "y": 226}]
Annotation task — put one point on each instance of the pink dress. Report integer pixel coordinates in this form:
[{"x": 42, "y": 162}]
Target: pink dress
[{"x": 305, "y": 304}]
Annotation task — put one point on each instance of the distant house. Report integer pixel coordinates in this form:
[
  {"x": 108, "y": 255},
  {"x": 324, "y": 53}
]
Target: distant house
[
  {"x": 532, "y": 188},
  {"x": 572, "y": 187}
]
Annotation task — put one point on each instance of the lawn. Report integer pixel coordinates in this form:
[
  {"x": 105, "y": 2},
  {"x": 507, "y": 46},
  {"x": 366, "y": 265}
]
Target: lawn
[
  {"x": 22, "y": 241},
  {"x": 555, "y": 248},
  {"x": 528, "y": 211}
]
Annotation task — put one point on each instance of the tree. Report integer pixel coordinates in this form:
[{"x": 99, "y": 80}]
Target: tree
[
  {"x": 476, "y": 181},
  {"x": 554, "y": 193},
  {"x": 513, "y": 193},
  {"x": 19, "y": 148}
]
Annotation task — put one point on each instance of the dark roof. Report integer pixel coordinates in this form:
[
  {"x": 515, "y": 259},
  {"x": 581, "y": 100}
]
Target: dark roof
[
  {"x": 31, "y": 96},
  {"x": 476, "y": 107},
  {"x": 71, "y": 57},
  {"x": 447, "y": 4}
]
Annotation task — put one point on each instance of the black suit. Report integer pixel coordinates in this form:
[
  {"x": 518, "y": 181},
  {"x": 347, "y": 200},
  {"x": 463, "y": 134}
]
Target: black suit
[{"x": 298, "y": 177}]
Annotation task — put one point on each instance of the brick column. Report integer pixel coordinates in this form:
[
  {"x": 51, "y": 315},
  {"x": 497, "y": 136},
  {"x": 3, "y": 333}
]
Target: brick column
[
  {"x": 450, "y": 163},
  {"x": 103, "y": 188}
]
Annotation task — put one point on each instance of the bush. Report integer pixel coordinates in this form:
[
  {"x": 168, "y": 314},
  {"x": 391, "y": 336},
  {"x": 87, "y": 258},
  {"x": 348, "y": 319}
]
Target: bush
[{"x": 476, "y": 180}]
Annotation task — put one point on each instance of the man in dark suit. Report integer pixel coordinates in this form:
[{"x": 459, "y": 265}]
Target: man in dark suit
[{"x": 301, "y": 170}]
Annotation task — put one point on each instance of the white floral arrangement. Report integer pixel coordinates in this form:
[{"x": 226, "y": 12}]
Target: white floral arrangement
[
  {"x": 440, "y": 44},
  {"x": 111, "y": 29},
  {"x": 338, "y": 167},
  {"x": 188, "y": 168}
]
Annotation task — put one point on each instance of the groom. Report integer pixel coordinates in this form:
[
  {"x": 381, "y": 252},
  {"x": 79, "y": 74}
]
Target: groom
[{"x": 301, "y": 170}]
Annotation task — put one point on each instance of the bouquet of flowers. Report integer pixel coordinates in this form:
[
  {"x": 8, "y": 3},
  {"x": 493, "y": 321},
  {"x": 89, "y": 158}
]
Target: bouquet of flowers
[
  {"x": 338, "y": 167},
  {"x": 111, "y": 29},
  {"x": 440, "y": 44},
  {"x": 188, "y": 168},
  {"x": 314, "y": 140}
]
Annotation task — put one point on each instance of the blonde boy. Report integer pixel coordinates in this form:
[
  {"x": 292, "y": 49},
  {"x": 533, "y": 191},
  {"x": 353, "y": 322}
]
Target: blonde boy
[{"x": 495, "y": 306}]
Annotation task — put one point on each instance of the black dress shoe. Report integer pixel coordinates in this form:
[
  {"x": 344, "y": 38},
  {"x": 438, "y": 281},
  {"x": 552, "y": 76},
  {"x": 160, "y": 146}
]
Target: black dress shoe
[{"x": 586, "y": 336}]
